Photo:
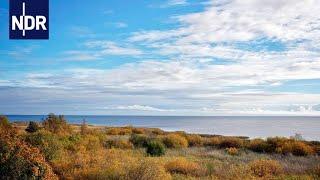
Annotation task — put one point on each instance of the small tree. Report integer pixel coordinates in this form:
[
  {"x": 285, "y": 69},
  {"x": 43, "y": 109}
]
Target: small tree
[
  {"x": 56, "y": 124},
  {"x": 32, "y": 127},
  {"x": 4, "y": 122},
  {"x": 155, "y": 148}
]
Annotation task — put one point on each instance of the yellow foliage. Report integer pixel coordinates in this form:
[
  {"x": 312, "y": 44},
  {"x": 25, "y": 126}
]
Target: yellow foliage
[
  {"x": 232, "y": 151},
  {"x": 175, "y": 141},
  {"x": 148, "y": 169},
  {"x": 183, "y": 166},
  {"x": 264, "y": 167},
  {"x": 194, "y": 140}
]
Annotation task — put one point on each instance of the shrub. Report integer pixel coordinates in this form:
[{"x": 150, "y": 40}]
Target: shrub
[
  {"x": 4, "y": 122},
  {"x": 118, "y": 143},
  {"x": 175, "y": 141},
  {"x": 147, "y": 170},
  {"x": 212, "y": 141},
  {"x": 232, "y": 151},
  {"x": 119, "y": 131},
  {"x": 275, "y": 143},
  {"x": 56, "y": 124},
  {"x": 138, "y": 131},
  {"x": 297, "y": 148},
  {"x": 258, "y": 145},
  {"x": 155, "y": 148},
  {"x": 139, "y": 140},
  {"x": 47, "y": 142},
  {"x": 157, "y": 131},
  {"x": 194, "y": 140},
  {"x": 32, "y": 127},
  {"x": 229, "y": 142},
  {"x": 264, "y": 167},
  {"x": 183, "y": 166},
  {"x": 18, "y": 160}
]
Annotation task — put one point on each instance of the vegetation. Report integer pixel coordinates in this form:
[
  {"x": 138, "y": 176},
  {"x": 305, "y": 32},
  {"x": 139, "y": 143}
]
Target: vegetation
[
  {"x": 32, "y": 127},
  {"x": 155, "y": 148},
  {"x": 55, "y": 149}
]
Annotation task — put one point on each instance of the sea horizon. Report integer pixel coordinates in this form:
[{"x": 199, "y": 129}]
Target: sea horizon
[{"x": 250, "y": 126}]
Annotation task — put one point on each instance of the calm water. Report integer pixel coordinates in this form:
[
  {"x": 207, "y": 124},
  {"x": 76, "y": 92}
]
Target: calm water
[{"x": 250, "y": 126}]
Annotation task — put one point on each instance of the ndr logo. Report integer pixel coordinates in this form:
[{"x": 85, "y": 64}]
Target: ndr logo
[{"x": 29, "y": 19}]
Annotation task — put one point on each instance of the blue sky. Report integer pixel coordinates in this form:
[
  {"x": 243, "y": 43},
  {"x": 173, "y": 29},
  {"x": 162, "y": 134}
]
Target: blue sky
[{"x": 169, "y": 57}]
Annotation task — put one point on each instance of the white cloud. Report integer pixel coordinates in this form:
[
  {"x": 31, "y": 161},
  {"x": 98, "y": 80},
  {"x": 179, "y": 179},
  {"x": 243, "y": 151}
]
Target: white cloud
[
  {"x": 98, "y": 49},
  {"x": 176, "y": 2},
  {"x": 136, "y": 108},
  {"x": 206, "y": 70}
]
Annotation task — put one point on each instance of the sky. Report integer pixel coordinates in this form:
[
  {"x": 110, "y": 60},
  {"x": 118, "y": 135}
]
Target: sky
[{"x": 169, "y": 57}]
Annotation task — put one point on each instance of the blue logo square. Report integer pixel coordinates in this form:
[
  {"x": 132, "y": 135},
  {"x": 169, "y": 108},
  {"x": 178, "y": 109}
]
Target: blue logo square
[{"x": 29, "y": 19}]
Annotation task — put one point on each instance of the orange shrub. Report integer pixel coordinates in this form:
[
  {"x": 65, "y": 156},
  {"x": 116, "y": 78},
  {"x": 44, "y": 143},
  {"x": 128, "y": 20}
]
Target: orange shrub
[
  {"x": 18, "y": 160},
  {"x": 213, "y": 141},
  {"x": 228, "y": 142},
  {"x": 118, "y": 143},
  {"x": 119, "y": 131},
  {"x": 138, "y": 131},
  {"x": 264, "y": 167},
  {"x": 147, "y": 170},
  {"x": 232, "y": 151},
  {"x": 297, "y": 148},
  {"x": 259, "y": 145},
  {"x": 194, "y": 140},
  {"x": 183, "y": 166},
  {"x": 175, "y": 141}
]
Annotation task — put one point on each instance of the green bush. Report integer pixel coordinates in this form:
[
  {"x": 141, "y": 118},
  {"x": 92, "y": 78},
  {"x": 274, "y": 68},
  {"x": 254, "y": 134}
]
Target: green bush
[
  {"x": 48, "y": 143},
  {"x": 32, "y": 127},
  {"x": 139, "y": 140},
  {"x": 155, "y": 148}
]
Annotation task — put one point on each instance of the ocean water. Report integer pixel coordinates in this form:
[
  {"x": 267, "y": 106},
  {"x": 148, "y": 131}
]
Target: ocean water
[{"x": 251, "y": 126}]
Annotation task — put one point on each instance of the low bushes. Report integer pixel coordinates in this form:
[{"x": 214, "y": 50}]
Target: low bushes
[
  {"x": 147, "y": 170},
  {"x": 183, "y": 166},
  {"x": 259, "y": 145},
  {"x": 139, "y": 140},
  {"x": 229, "y": 142},
  {"x": 194, "y": 140},
  {"x": 18, "y": 160},
  {"x": 232, "y": 151},
  {"x": 56, "y": 124},
  {"x": 48, "y": 143},
  {"x": 264, "y": 167},
  {"x": 155, "y": 148},
  {"x": 119, "y": 131},
  {"x": 118, "y": 143},
  {"x": 175, "y": 141},
  {"x": 296, "y": 148},
  {"x": 32, "y": 127}
]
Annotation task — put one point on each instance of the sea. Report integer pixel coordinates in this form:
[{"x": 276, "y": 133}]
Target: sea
[{"x": 250, "y": 126}]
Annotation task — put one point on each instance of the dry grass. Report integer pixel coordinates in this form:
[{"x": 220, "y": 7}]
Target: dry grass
[
  {"x": 265, "y": 168},
  {"x": 186, "y": 167}
]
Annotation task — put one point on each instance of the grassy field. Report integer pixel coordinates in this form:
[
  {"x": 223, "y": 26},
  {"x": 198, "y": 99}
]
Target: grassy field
[{"x": 55, "y": 149}]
